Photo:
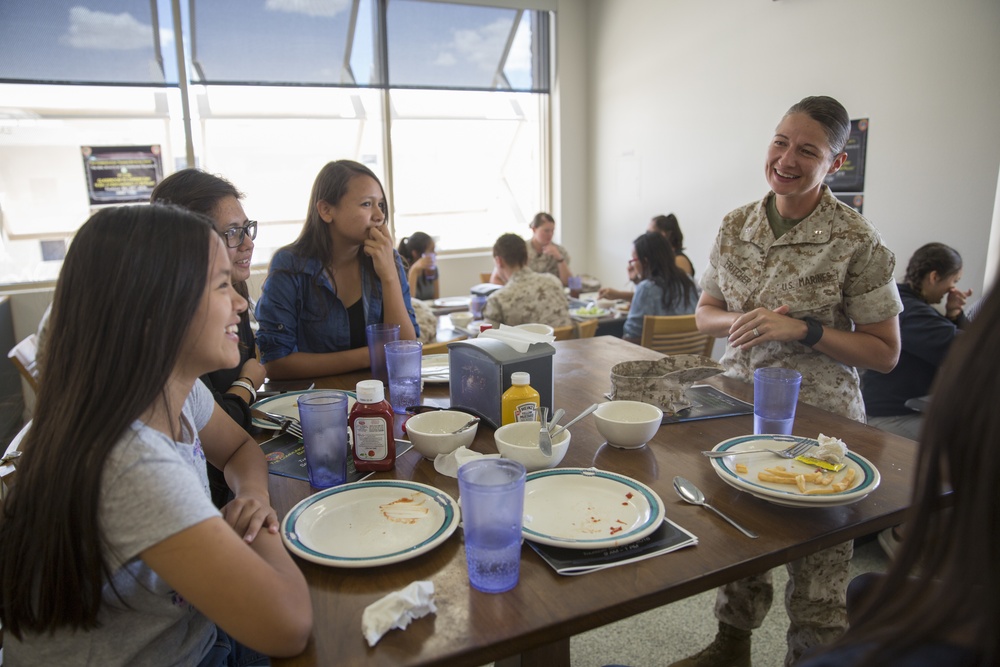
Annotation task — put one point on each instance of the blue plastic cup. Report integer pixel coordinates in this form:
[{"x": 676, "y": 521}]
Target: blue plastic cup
[
  {"x": 324, "y": 434},
  {"x": 775, "y": 393},
  {"x": 492, "y": 497}
]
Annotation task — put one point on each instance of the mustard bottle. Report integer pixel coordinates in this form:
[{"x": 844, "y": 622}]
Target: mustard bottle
[{"x": 520, "y": 402}]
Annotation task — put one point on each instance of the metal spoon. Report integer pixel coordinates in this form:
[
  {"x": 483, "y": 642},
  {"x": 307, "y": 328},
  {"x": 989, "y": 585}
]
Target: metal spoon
[
  {"x": 575, "y": 420},
  {"x": 469, "y": 424},
  {"x": 692, "y": 494}
]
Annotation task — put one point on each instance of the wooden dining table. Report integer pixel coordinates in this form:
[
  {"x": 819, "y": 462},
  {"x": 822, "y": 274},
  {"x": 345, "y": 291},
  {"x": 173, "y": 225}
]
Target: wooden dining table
[{"x": 533, "y": 623}]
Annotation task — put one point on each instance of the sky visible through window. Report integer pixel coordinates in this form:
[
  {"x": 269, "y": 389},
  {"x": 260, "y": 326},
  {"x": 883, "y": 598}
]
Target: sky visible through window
[{"x": 267, "y": 41}]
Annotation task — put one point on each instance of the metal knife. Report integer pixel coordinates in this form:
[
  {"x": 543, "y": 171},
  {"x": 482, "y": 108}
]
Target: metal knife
[{"x": 544, "y": 441}]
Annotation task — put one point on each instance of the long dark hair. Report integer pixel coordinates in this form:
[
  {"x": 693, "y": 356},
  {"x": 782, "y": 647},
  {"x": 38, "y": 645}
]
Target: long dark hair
[
  {"x": 931, "y": 257},
  {"x": 944, "y": 579},
  {"x": 417, "y": 244},
  {"x": 659, "y": 264},
  {"x": 131, "y": 282},
  {"x": 201, "y": 192},
  {"x": 671, "y": 229}
]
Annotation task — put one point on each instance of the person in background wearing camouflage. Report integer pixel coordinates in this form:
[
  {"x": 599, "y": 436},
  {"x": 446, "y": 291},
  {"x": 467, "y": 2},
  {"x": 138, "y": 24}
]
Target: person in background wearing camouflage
[
  {"x": 802, "y": 281},
  {"x": 526, "y": 296}
]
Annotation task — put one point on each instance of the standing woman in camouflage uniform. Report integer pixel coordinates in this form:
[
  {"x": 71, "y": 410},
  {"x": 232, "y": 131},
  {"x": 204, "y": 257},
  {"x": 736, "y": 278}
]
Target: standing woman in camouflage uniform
[{"x": 802, "y": 281}]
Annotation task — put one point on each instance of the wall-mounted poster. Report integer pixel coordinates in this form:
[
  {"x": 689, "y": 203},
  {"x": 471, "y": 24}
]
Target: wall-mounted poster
[
  {"x": 851, "y": 177},
  {"x": 121, "y": 174}
]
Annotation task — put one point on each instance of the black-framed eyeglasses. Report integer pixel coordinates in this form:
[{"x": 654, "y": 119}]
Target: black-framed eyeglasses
[{"x": 234, "y": 236}]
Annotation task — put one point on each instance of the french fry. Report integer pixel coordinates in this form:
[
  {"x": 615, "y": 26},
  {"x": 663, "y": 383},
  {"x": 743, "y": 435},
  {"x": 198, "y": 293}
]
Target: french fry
[
  {"x": 824, "y": 481},
  {"x": 775, "y": 479},
  {"x": 741, "y": 468}
]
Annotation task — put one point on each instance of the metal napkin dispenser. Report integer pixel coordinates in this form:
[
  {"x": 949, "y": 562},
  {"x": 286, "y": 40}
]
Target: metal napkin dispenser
[{"x": 480, "y": 371}]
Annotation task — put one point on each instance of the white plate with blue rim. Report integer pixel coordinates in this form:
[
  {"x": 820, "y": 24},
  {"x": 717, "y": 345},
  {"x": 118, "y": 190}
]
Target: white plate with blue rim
[
  {"x": 287, "y": 404},
  {"x": 367, "y": 524},
  {"x": 586, "y": 508},
  {"x": 866, "y": 475},
  {"x": 434, "y": 369}
]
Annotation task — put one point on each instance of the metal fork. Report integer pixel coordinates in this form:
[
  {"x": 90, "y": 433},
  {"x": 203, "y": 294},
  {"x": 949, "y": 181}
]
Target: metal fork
[
  {"x": 287, "y": 424},
  {"x": 797, "y": 449}
]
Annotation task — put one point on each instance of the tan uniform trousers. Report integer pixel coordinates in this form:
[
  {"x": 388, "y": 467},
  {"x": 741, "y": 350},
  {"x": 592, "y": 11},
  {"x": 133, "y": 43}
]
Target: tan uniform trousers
[{"x": 815, "y": 598}]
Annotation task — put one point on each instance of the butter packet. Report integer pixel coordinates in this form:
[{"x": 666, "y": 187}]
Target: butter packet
[
  {"x": 826, "y": 465},
  {"x": 831, "y": 454}
]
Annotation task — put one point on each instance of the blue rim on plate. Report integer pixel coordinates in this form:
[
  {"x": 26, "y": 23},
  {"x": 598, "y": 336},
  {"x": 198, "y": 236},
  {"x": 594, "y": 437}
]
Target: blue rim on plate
[
  {"x": 280, "y": 399},
  {"x": 599, "y": 496},
  {"x": 347, "y": 499},
  {"x": 867, "y": 481}
]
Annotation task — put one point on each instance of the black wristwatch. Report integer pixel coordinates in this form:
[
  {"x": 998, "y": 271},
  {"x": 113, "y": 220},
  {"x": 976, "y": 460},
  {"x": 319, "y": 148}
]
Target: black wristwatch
[{"x": 814, "y": 331}]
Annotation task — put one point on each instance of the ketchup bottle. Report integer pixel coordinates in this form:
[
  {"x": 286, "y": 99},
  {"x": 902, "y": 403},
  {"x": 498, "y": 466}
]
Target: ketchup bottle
[{"x": 371, "y": 423}]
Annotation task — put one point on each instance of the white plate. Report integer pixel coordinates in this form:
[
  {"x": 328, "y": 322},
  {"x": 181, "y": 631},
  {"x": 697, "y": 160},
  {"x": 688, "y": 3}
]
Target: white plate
[
  {"x": 866, "y": 475},
  {"x": 601, "y": 312},
  {"x": 287, "y": 404},
  {"x": 586, "y": 508},
  {"x": 452, "y": 302},
  {"x": 434, "y": 369},
  {"x": 370, "y": 523}
]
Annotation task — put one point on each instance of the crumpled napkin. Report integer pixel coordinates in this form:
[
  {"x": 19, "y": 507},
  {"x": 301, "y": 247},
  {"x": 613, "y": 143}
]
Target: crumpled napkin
[
  {"x": 397, "y": 609},
  {"x": 518, "y": 339},
  {"x": 448, "y": 464}
]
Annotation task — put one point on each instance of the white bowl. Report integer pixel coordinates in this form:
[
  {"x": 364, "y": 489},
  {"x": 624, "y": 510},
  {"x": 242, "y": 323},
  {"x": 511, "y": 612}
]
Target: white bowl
[
  {"x": 519, "y": 442},
  {"x": 431, "y": 432},
  {"x": 460, "y": 320},
  {"x": 606, "y": 304},
  {"x": 627, "y": 424},
  {"x": 534, "y": 327}
]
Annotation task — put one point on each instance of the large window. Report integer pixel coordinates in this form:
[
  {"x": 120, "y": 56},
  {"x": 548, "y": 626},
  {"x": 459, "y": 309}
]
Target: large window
[{"x": 446, "y": 102}]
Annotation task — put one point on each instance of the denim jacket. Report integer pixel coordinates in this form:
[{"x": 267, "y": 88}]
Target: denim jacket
[
  {"x": 648, "y": 300},
  {"x": 299, "y": 311}
]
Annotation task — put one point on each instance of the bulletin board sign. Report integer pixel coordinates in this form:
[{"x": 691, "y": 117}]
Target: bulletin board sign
[
  {"x": 121, "y": 174},
  {"x": 851, "y": 176}
]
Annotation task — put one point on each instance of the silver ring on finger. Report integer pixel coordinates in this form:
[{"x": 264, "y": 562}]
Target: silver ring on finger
[{"x": 756, "y": 334}]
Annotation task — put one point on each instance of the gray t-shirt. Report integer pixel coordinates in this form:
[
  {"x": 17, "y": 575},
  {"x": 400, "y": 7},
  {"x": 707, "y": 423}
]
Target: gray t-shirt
[{"x": 153, "y": 488}]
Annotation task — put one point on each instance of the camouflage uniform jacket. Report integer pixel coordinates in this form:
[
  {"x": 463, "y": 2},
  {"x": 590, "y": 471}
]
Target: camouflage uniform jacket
[
  {"x": 831, "y": 266},
  {"x": 541, "y": 263},
  {"x": 528, "y": 297}
]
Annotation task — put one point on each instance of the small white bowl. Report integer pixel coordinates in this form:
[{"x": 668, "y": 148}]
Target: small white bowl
[
  {"x": 534, "y": 327},
  {"x": 431, "y": 432},
  {"x": 460, "y": 320},
  {"x": 627, "y": 424},
  {"x": 519, "y": 442},
  {"x": 606, "y": 304}
]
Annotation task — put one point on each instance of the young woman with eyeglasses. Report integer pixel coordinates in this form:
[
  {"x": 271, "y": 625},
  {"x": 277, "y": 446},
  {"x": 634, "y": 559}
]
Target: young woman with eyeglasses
[
  {"x": 111, "y": 551},
  {"x": 234, "y": 389}
]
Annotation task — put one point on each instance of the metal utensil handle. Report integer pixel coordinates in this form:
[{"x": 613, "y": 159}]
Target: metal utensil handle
[
  {"x": 575, "y": 419},
  {"x": 544, "y": 441},
  {"x": 719, "y": 455},
  {"x": 748, "y": 533}
]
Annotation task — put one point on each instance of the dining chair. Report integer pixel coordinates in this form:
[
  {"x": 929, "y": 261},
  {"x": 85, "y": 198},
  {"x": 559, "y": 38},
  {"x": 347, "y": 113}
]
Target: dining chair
[
  {"x": 24, "y": 357},
  {"x": 586, "y": 329},
  {"x": 564, "y": 333},
  {"x": 675, "y": 334},
  {"x": 439, "y": 348}
]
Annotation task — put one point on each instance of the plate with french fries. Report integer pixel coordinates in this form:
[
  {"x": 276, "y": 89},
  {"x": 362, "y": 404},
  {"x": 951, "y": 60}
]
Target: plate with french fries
[{"x": 789, "y": 481}]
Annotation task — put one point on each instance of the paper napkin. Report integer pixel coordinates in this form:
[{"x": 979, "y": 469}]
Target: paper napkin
[
  {"x": 448, "y": 464},
  {"x": 397, "y": 609}
]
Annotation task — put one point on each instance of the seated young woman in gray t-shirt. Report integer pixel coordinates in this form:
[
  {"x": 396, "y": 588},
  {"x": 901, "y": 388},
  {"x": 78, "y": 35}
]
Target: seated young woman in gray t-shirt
[{"x": 111, "y": 551}]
